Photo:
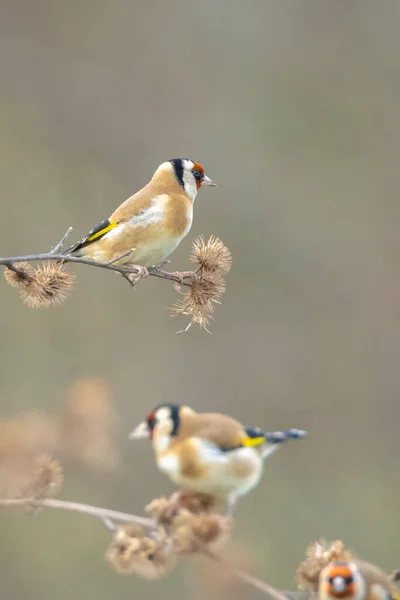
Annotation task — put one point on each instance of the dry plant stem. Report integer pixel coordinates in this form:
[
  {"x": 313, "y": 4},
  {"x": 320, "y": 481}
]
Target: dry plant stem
[
  {"x": 246, "y": 578},
  {"x": 124, "y": 270},
  {"x": 106, "y": 515},
  {"x": 60, "y": 244},
  {"x": 108, "y": 518}
]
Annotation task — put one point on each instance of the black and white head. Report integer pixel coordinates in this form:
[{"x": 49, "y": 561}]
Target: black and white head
[
  {"x": 190, "y": 175},
  {"x": 162, "y": 424}
]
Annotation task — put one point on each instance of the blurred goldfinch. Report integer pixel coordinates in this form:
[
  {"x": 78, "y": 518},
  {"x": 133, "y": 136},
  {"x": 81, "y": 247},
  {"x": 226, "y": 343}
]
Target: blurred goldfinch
[
  {"x": 208, "y": 452},
  {"x": 356, "y": 580},
  {"x": 152, "y": 222}
]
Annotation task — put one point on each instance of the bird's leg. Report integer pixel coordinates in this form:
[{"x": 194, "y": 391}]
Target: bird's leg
[
  {"x": 174, "y": 504},
  {"x": 231, "y": 504},
  {"x": 162, "y": 264}
]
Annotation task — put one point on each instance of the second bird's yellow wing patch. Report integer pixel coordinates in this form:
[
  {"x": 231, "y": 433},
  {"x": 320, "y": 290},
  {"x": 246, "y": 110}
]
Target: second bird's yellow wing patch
[
  {"x": 253, "y": 441},
  {"x": 254, "y": 436}
]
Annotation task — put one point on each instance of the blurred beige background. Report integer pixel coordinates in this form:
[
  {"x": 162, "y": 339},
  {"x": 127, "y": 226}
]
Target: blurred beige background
[{"x": 292, "y": 106}]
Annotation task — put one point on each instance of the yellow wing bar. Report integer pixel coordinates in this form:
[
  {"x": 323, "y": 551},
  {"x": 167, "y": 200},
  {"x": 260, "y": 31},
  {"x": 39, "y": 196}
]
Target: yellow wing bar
[
  {"x": 253, "y": 441},
  {"x": 100, "y": 232}
]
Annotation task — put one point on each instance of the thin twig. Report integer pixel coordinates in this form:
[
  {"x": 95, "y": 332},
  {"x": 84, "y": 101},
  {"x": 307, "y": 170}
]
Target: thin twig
[
  {"x": 250, "y": 579},
  {"x": 60, "y": 244},
  {"x": 87, "y": 509},
  {"x": 66, "y": 258},
  {"x": 108, "y": 517}
]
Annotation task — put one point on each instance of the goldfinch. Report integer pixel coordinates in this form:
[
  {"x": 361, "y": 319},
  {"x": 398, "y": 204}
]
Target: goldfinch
[
  {"x": 356, "y": 580},
  {"x": 149, "y": 225},
  {"x": 208, "y": 452}
]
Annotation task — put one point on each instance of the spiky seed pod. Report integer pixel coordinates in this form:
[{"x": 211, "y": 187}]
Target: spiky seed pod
[
  {"x": 159, "y": 508},
  {"x": 318, "y": 555},
  {"x": 20, "y": 276},
  {"x": 132, "y": 552},
  {"x": 197, "y": 503},
  {"x": 198, "y": 302},
  {"x": 211, "y": 256},
  {"x": 189, "y": 500},
  {"x": 47, "y": 477},
  {"x": 30, "y": 479},
  {"x": 193, "y": 533},
  {"x": 49, "y": 285}
]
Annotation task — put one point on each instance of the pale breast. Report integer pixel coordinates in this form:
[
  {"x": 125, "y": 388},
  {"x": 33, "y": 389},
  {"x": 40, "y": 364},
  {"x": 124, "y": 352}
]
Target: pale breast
[{"x": 205, "y": 468}]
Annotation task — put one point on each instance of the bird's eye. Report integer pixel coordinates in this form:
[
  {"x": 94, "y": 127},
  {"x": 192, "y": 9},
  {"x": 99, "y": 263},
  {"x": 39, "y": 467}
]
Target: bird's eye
[
  {"x": 197, "y": 174},
  {"x": 151, "y": 421}
]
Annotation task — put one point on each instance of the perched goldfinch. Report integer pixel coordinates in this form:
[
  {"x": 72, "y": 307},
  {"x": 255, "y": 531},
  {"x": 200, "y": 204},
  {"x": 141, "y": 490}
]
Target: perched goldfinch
[
  {"x": 152, "y": 222},
  {"x": 208, "y": 452},
  {"x": 356, "y": 580}
]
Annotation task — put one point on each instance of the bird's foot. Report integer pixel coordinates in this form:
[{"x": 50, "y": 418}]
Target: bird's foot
[
  {"x": 180, "y": 278},
  {"x": 134, "y": 278}
]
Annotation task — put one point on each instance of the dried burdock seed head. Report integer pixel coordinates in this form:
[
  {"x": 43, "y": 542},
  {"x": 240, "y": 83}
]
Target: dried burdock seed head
[
  {"x": 132, "y": 552},
  {"x": 193, "y": 533},
  {"x": 160, "y": 510},
  {"x": 211, "y": 256},
  {"x": 47, "y": 477},
  {"x": 165, "y": 511},
  {"x": 198, "y": 302},
  {"x": 197, "y": 503},
  {"x": 27, "y": 478},
  {"x": 20, "y": 275},
  {"x": 49, "y": 285},
  {"x": 318, "y": 555}
]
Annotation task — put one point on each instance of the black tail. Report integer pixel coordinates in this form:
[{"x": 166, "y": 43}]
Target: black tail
[{"x": 276, "y": 437}]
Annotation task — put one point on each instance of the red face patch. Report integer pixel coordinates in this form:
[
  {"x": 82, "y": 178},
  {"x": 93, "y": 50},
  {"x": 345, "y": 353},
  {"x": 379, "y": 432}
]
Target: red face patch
[
  {"x": 198, "y": 173},
  {"x": 198, "y": 167},
  {"x": 343, "y": 572}
]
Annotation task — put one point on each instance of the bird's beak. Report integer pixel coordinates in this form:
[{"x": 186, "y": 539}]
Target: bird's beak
[
  {"x": 140, "y": 432},
  {"x": 338, "y": 585},
  {"x": 207, "y": 181}
]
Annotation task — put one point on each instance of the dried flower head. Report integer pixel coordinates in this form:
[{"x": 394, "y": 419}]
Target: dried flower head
[
  {"x": 318, "y": 555},
  {"x": 160, "y": 510},
  {"x": 196, "y": 502},
  {"x": 20, "y": 275},
  {"x": 88, "y": 424},
  {"x": 47, "y": 477},
  {"x": 164, "y": 510},
  {"x": 132, "y": 552},
  {"x": 49, "y": 284},
  {"x": 30, "y": 478},
  {"x": 211, "y": 256},
  {"x": 198, "y": 302},
  {"x": 193, "y": 533}
]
